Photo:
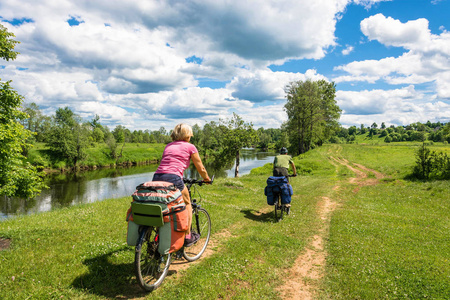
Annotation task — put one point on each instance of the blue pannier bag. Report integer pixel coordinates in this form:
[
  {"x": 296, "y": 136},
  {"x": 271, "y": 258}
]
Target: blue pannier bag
[{"x": 276, "y": 186}]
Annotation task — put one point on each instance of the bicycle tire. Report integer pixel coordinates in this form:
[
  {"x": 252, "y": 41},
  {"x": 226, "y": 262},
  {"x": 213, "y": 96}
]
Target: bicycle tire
[
  {"x": 201, "y": 224},
  {"x": 151, "y": 267},
  {"x": 278, "y": 210}
]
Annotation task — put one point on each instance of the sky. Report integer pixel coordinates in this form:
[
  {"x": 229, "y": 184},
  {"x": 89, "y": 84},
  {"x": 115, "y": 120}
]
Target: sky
[{"x": 156, "y": 63}]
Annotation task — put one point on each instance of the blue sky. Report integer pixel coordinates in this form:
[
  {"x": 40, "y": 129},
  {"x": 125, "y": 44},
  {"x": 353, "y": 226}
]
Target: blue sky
[{"x": 147, "y": 64}]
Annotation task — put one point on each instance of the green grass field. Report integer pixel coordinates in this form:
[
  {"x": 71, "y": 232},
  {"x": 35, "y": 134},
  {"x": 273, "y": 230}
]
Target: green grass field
[{"x": 388, "y": 240}]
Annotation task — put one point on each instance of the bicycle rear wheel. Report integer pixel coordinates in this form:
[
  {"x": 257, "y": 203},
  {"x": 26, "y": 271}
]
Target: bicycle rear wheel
[
  {"x": 201, "y": 224},
  {"x": 150, "y": 266},
  {"x": 278, "y": 210}
]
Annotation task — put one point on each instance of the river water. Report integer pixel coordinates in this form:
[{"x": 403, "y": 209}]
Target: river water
[{"x": 96, "y": 185}]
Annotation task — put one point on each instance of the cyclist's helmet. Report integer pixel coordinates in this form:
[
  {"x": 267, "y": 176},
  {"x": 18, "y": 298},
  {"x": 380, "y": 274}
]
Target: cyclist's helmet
[{"x": 283, "y": 150}]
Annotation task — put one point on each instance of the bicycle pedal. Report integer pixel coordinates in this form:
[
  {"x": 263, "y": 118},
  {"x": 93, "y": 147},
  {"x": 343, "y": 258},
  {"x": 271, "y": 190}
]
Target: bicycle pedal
[{"x": 179, "y": 254}]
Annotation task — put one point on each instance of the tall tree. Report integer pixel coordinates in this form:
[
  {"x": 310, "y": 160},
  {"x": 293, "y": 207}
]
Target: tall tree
[
  {"x": 264, "y": 138},
  {"x": 68, "y": 138},
  {"x": 197, "y": 132},
  {"x": 236, "y": 134},
  {"x": 312, "y": 113},
  {"x": 17, "y": 177}
]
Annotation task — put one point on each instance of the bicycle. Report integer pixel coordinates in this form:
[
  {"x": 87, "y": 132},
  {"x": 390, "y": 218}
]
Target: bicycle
[
  {"x": 150, "y": 266},
  {"x": 280, "y": 207}
]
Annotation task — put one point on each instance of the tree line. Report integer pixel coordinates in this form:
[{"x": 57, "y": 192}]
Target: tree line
[{"x": 415, "y": 132}]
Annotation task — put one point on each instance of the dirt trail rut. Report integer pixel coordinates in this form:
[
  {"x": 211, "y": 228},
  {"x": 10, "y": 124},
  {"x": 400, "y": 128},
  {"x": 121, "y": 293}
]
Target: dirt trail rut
[{"x": 304, "y": 276}]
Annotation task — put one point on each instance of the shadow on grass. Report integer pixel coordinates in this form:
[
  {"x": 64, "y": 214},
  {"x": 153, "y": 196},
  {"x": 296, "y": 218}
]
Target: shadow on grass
[
  {"x": 109, "y": 279},
  {"x": 258, "y": 216}
]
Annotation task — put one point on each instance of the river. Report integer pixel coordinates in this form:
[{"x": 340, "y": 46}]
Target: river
[{"x": 90, "y": 186}]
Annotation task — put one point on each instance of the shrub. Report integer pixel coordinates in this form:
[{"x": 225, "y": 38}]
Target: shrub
[{"x": 431, "y": 164}]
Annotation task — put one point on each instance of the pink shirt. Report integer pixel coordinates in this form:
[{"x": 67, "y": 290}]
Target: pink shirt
[{"x": 176, "y": 158}]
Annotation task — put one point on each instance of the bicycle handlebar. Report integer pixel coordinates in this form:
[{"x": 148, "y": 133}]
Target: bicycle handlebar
[{"x": 192, "y": 181}]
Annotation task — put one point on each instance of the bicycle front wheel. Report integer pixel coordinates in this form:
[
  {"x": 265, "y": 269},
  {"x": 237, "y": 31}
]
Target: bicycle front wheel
[
  {"x": 201, "y": 224},
  {"x": 150, "y": 266}
]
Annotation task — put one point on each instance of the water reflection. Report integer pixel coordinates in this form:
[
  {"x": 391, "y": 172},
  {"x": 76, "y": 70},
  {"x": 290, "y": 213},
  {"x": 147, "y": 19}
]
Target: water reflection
[
  {"x": 90, "y": 186},
  {"x": 249, "y": 159}
]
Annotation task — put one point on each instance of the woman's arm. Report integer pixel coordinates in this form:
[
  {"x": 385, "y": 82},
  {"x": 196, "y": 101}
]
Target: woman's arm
[{"x": 199, "y": 166}]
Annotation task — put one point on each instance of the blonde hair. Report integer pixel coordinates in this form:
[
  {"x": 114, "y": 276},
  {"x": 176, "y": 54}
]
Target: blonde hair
[{"x": 181, "y": 132}]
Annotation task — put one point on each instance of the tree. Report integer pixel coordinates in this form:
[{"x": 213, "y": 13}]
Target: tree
[
  {"x": 264, "y": 138},
  {"x": 119, "y": 134},
  {"x": 99, "y": 133},
  {"x": 209, "y": 144},
  {"x": 17, "y": 177},
  {"x": 312, "y": 113},
  {"x": 236, "y": 134},
  {"x": 362, "y": 129},
  {"x": 68, "y": 138},
  {"x": 283, "y": 141},
  {"x": 197, "y": 132}
]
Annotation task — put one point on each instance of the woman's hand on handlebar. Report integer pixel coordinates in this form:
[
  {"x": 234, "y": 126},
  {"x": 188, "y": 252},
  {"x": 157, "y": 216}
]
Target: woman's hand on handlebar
[{"x": 210, "y": 181}]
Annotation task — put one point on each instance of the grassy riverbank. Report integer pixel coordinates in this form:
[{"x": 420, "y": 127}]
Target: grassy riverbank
[
  {"x": 386, "y": 240},
  {"x": 100, "y": 156}
]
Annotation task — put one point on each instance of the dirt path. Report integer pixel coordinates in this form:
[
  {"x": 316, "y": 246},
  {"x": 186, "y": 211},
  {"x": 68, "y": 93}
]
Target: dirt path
[
  {"x": 304, "y": 276},
  {"x": 4, "y": 243},
  {"x": 308, "y": 268}
]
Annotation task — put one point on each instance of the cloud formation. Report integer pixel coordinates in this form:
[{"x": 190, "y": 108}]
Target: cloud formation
[
  {"x": 425, "y": 61},
  {"x": 146, "y": 64}
]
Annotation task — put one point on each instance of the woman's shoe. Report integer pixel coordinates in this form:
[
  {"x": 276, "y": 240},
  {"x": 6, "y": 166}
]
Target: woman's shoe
[{"x": 192, "y": 240}]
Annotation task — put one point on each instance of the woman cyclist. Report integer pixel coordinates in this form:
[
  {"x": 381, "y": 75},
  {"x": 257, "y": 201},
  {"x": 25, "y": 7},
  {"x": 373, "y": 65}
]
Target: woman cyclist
[{"x": 175, "y": 160}]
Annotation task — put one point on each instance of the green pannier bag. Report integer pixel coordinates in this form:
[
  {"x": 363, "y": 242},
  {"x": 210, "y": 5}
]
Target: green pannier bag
[
  {"x": 132, "y": 233},
  {"x": 147, "y": 214}
]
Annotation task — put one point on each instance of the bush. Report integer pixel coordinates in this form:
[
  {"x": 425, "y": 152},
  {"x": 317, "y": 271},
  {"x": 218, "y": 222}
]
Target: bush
[
  {"x": 335, "y": 140},
  {"x": 431, "y": 164}
]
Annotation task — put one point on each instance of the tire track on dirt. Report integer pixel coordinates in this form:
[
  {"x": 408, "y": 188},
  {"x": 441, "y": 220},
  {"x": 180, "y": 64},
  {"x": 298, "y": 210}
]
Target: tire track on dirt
[
  {"x": 362, "y": 173},
  {"x": 308, "y": 268},
  {"x": 307, "y": 271}
]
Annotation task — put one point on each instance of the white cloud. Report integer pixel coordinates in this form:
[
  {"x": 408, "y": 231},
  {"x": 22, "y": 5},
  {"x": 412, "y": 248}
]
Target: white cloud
[
  {"x": 265, "y": 85},
  {"x": 369, "y": 3},
  {"x": 348, "y": 50},
  {"x": 394, "y": 107},
  {"x": 375, "y": 101},
  {"x": 411, "y": 35}
]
